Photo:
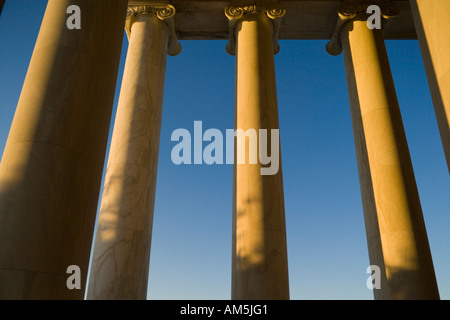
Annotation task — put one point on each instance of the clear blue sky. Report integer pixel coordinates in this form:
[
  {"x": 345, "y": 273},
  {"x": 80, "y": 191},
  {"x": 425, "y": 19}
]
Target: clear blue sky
[{"x": 327, "y": 249}]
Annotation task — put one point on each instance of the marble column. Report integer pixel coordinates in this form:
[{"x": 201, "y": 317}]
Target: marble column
[
  {"x": 432, "y": 21},
  {"x": 52, "y": 164},
  {"x": 259, "y": 261},
  {"x": 120, "y": 262},
  {"x": 396, "y": 235}
]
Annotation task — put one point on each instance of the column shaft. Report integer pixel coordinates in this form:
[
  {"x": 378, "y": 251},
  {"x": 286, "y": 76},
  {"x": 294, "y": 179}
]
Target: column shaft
[
  {"x": 52, "y": 164},
  {"x": 396, "y": 234},
  {"x": 432, "y": 21},
  {"x": 260, "y": 269},
  {"x": 122, "y": 247}
]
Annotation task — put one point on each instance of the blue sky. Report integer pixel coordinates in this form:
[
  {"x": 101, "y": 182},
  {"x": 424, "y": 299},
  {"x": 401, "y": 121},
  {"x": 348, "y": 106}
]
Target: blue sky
[{"x": 327, "y": 249}]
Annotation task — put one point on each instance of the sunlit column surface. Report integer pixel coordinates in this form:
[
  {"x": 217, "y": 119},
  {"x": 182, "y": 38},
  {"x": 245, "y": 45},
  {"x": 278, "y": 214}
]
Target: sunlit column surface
[
  {"x": 259, "y": 262},
  {"x": 396, "y": 234},
  {"x": 52, "y": 164},
  {"x": 122, "y": 247},
  {"x": 432, "y": 21}
]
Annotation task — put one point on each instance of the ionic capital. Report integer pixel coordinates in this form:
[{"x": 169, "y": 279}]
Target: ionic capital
[
  {"x": 235, "y": 13},
  {"x": 350, "y": 11},
  {"x": 164, "y": 12}
]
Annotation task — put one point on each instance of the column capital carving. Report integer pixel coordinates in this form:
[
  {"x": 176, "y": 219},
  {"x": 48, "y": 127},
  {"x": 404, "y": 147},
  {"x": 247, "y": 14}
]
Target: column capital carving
[
  {"x": 234, "y": 14},
  {"x": 164, "y": 12},
  {"x": 357, "y": 10}
]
